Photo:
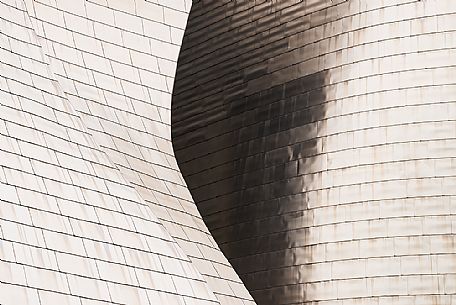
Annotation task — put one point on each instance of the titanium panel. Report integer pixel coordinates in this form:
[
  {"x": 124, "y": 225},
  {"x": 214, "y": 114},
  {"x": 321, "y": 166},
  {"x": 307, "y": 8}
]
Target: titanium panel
[
  {"x": 93, "y": 208},
  {"x": 318, "y": 140}
]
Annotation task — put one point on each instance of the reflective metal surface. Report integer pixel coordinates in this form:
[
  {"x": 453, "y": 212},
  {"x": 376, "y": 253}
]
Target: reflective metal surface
[
  {"x": 93, "y": 208},
  {"x": 318, "y": 139}
]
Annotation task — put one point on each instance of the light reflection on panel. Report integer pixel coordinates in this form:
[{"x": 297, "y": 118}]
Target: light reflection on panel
[
  {"x": 93, "y": 207},
  {"x": 318, "y": 141}
]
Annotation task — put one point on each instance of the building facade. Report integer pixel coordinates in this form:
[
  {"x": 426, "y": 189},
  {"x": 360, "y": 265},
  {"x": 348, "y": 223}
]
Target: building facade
[
  {"x": 318, "y": 139},
  {"x": 93, "y": 208}
]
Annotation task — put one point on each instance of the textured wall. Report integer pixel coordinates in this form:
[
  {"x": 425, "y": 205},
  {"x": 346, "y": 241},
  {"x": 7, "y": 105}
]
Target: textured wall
[
  {"x": 318, "y": 139},
  {"x": 93, "y": 206}
]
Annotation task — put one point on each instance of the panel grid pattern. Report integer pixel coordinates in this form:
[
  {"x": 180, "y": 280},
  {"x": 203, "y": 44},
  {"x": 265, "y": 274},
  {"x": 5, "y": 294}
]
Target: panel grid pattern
[
  {"x": 94, "y": 208},
  {"x": 318, "y": 140}
]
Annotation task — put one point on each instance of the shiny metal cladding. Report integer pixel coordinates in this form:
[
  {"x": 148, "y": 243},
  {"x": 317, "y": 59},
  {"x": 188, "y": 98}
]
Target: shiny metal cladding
[{"x": 318, "y": 139}]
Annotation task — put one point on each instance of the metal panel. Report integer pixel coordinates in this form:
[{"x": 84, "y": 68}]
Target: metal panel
[
  {"x": 316, "y": 138},
  {"x": 93, "y": 208}
]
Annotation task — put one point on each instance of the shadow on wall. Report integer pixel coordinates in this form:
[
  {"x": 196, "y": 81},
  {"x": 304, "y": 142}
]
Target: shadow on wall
[{"x": 246, "y": 116}]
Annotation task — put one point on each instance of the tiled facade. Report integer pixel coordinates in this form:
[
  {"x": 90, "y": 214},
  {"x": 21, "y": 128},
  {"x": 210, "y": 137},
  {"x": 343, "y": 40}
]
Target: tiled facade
[
  {"x": 93, "y": 208},
  {"x": 318, "y": 139}
]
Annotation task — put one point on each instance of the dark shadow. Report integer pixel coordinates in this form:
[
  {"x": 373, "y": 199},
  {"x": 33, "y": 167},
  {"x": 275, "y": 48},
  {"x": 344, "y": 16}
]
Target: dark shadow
[{"x": 246, "y": 116}]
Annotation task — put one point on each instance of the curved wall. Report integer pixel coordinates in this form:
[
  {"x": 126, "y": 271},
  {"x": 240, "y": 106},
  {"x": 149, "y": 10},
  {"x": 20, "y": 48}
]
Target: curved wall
[
  {"x": 318, "y": 139},
  {"x": 93, "y": 207}
]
